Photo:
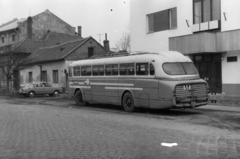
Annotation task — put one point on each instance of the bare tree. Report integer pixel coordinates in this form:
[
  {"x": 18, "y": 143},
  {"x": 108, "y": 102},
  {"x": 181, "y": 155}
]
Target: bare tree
[
  {"x": 124, "y": 42},
  {"x": 11, "y": 62}
]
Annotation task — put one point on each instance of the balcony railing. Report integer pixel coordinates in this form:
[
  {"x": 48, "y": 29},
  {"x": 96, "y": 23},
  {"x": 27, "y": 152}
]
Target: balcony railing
[{"x": 206, "y": 26}]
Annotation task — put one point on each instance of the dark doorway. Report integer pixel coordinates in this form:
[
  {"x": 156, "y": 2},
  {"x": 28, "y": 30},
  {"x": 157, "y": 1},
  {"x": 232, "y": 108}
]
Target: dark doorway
[{"x": 210, "y": 69}]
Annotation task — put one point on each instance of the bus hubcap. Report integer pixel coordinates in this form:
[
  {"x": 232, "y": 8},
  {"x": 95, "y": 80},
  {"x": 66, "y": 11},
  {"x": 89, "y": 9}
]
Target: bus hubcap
[{"x": 128, "y": 102}]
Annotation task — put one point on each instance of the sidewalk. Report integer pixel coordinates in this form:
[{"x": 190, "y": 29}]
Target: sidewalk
[{"x": 224, "y": 100}]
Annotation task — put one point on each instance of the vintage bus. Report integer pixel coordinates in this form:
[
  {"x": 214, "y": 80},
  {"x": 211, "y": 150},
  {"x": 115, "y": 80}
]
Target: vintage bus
[{"x": 164, "y": 80}]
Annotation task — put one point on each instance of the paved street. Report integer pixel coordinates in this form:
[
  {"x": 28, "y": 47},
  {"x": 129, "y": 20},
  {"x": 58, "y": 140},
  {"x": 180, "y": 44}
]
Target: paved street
[{"x": 44, "y": 128}]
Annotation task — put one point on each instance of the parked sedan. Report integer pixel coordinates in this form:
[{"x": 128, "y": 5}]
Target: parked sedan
[{"x": 31, "y": 89}]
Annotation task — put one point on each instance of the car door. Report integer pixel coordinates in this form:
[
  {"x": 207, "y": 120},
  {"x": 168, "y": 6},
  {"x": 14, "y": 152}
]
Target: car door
[
  {"x": 37, "y": 88},
  {"x": 48, "y": 89}
]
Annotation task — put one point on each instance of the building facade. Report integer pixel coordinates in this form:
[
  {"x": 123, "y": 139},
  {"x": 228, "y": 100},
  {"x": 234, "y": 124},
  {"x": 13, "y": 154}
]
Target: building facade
[
  {"x": 50, "y": 64},
  {"x": 208, "y": 31},
  {"x": 26, "y": 35}
]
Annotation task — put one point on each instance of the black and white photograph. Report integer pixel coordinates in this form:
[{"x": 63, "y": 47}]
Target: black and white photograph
[{"x": 119, "y": 79}]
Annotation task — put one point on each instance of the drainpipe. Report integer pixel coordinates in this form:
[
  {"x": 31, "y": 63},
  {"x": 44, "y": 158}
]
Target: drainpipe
[{"x": 40, "y": 72}]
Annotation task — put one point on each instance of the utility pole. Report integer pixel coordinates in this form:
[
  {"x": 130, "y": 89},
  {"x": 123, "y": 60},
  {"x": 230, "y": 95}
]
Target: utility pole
[{"x": 100, "y": 37}]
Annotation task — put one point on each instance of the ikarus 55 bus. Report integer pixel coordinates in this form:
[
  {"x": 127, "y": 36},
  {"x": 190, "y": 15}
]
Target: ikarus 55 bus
[{"x": 165, "y": 80}]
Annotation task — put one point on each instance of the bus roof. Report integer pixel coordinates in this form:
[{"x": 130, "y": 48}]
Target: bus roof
[{"x": 159, "y": 58}]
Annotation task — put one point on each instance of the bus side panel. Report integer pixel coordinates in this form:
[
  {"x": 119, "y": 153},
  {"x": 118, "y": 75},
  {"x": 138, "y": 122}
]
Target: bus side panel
[
  {"x": 97, "y": 88},
  {"x": 125, "y": 84},
  {"x": 87, "y": 95},
  {"x": 111, "y": 91},
  {"x": 146, "y": 91}
]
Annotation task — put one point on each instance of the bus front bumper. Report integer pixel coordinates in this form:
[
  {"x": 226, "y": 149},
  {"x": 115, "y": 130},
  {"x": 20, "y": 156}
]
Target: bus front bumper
[{"x": 189, "y": 103}]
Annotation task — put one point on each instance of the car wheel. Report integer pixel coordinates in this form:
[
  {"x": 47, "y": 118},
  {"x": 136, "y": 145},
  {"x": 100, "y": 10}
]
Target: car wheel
[
  {"x": 128, "y": 102},
  {"x": 79, "y": 99},
  {"x": 55, "y": 93},
  {"x": 31, "y": 94}
]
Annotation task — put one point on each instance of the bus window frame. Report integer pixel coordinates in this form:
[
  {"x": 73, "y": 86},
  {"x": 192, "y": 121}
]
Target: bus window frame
[
  {"x": 98, "y": 70},
  {"x": 148, "y": 68},
  {"x": 112, "y": 68},
  {"x": 86, "y": 66},
  {"x": 70, "y": 73},
  {"x": 127, "y": 69},
  {"x": 182, "y": 67},
  {"x": 150, "y": 64},
  {"x": 73, "y": 70}
]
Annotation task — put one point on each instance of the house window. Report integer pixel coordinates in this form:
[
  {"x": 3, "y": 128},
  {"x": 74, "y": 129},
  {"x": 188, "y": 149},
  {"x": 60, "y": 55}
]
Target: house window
[
  {"x": 3, "y": 40},
  {"x": 13, "y": 37},
  {"x": 55, "y": 76},
  {"x": 44, "y": 76},
  {"x": 232, "y": 59},
  {"x": 163, "y": 20},
  {"x": 90, "y": 52},
  {"x": 30, "y": 78},
  {"x": 206, "y": 10}
]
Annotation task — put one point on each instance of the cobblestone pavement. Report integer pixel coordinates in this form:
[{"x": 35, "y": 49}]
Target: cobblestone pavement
[{"x": 35, "y": 130}]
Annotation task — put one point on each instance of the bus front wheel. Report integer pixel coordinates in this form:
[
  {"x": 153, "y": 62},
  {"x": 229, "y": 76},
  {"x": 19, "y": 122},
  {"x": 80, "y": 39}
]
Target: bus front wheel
[
  {"x": 128, "y": 102},
  {"x": 79, "y": 98}
]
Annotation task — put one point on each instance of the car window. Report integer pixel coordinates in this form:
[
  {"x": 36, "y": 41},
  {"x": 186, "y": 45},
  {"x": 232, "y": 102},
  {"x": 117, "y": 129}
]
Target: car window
[
  {"x": 47, "y": 85},
  {"x": 35, "y": 85},
  {"x": 40, "y": 85}
]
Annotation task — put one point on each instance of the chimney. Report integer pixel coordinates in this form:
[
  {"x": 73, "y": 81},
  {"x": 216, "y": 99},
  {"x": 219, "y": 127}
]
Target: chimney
[
  {"x": 29, "y": 28},
  {"x": 106, "y": 42},
  {"x": 80, "y": 31}
]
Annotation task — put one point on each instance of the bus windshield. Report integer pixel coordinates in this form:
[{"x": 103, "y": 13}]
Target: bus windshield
[{"x": 179, "y": 68}]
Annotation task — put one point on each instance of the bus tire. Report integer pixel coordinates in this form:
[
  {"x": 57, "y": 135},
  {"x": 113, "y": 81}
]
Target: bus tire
[
  {"x": 79, "y": 98},
  {"x": 128, "y": 102}
]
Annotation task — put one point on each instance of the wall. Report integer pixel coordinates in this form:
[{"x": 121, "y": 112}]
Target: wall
[
  {"x": 78, "y": 54},
  {"x": 157, "y": 41},
  {"x": 8, "y": 37},
  {"x": 231, "y": 74},
  {"x": 82, "y": 52},
  {"x": 232, "y": 12},
  {"x": 43, "y": 22},
  {"x": 141, "y": 40},
  {"x": 49, "y": 67}
]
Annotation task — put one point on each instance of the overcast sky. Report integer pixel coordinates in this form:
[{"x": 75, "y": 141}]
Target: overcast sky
[{"x": 95, "y": 16}]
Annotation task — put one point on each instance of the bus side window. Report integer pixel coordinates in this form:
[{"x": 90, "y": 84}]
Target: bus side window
[
  {"x": 70, "y": 72},
  {"x": 76, "y": 71},
  {"x": 130, "y": 69},
  {"x": 123, "y": 69},
  {"x": 98, "y": 70},
  {"x": 152, "y": 71},
  {"x": 142, "y": 68},
  {"x": 89, "y": 70},
  {"x": 108, "y": 70},
  {"x": 84, "y": 70},
  {"x": 114, "y": 69},
  {"x": 101, "y": 70}
]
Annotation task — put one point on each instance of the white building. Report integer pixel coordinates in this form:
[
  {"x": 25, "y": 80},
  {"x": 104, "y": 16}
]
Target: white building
[{"x": 208, "y": 31}]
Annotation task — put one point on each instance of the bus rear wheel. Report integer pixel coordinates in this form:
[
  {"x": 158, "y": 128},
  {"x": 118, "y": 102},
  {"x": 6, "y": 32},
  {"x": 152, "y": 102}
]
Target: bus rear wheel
[
  {"x": 79, "y": 99},
  {"x": 128, "y": 102}
]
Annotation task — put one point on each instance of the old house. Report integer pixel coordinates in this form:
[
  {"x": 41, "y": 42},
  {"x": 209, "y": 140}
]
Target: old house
[
  {"x": 24, "y": 36},
  {"x": 50, "y": 63}
]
